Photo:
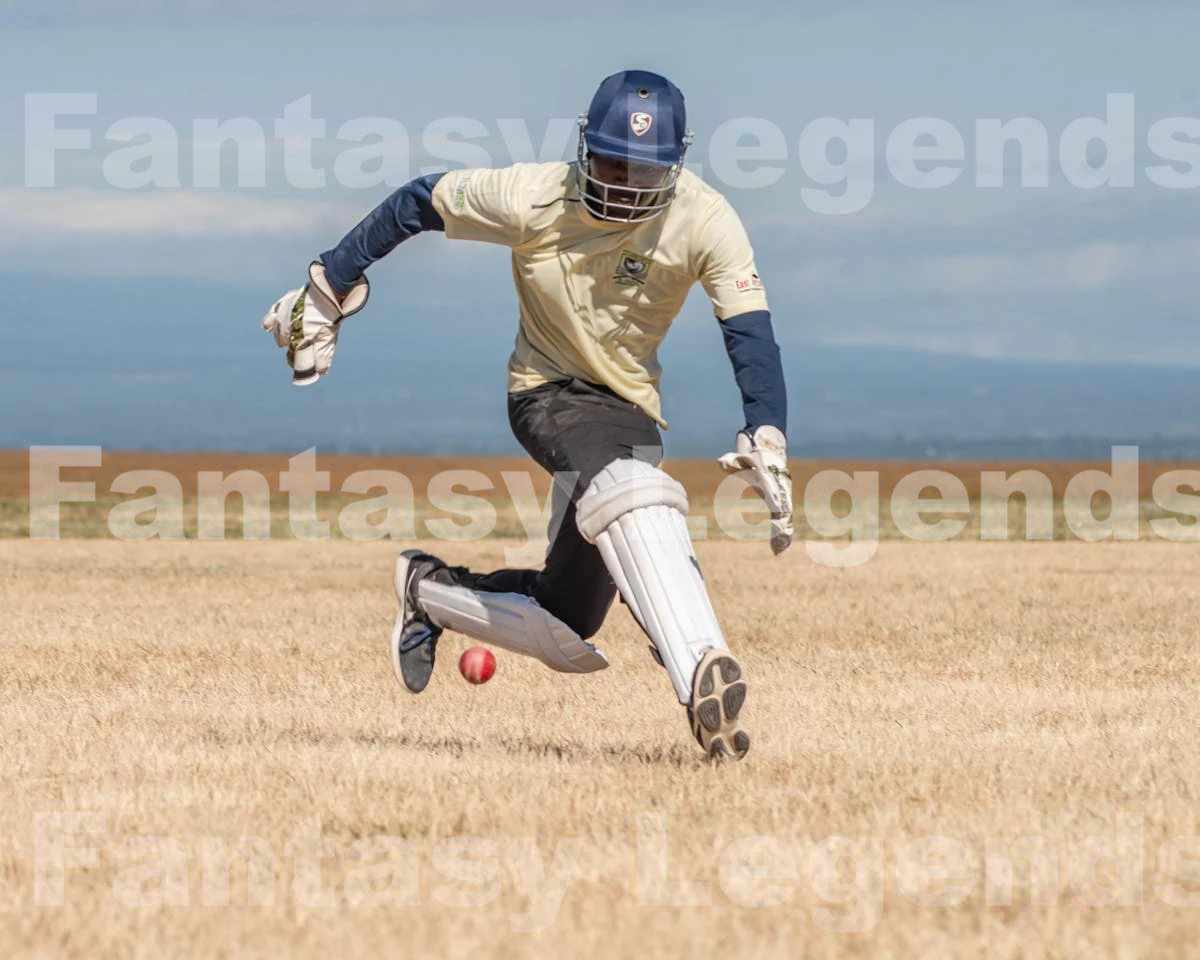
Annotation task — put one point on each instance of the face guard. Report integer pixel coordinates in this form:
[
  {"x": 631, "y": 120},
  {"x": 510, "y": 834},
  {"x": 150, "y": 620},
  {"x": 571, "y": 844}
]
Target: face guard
[{"x": 621, "y": 190}]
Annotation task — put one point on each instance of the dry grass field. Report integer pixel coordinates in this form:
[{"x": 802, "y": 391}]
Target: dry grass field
[
  {"x": 504, "y": 494},
  {"x": 960, "y": 750}
]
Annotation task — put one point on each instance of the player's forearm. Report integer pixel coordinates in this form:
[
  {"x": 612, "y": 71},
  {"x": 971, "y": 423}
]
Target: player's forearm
[
  {"x": 408, "y": 211},
  {"x": 758, "y": 369}
]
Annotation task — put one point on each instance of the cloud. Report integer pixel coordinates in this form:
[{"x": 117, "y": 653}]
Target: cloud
[
  {"x": 173, "y": 213},
  {"x": 1076, "y": 269},
  {"x": 40, "y": 13},
  {"x": 219, "y": 237},
  {"x": 52, "y": 14}
]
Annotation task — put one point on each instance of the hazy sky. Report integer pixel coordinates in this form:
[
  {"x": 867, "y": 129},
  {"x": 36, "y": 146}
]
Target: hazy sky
[{"x": 1053, "y": 273}]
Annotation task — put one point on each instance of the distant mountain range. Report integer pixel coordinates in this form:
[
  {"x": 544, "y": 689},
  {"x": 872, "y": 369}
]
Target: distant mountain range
[{"x": 176, "y": 366}]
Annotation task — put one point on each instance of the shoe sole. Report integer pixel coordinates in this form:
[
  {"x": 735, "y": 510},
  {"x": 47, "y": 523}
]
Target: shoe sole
[
  {"x": 718, "y": 696},
  {"x": 399, "y": 584}
]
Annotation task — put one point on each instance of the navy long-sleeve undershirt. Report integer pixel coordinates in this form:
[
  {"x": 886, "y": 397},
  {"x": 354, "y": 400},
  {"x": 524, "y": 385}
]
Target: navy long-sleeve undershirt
[
  {"x": 408, "y": 211},
  {"x": 757, "y": 368}
]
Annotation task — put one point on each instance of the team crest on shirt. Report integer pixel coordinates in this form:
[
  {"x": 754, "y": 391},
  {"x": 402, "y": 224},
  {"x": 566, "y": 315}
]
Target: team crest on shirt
[
  {"x": 631, "y": 269},
  {"x": 640, "y": 122}
]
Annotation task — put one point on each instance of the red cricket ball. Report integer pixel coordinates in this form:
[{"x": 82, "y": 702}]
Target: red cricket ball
[{"x": 477, "y": 665}]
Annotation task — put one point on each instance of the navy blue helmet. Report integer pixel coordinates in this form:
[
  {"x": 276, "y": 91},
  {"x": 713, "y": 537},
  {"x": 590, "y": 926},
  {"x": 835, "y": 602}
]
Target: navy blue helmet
[{"x": 632, "y": 142}]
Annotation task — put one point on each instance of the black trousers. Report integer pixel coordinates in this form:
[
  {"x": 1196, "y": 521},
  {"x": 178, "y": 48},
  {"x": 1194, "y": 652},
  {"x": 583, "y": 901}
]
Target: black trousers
[{"x": 570, "y": 427}]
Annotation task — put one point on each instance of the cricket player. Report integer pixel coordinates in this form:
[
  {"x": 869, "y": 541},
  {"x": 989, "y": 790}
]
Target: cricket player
[{"x": 604, "y": 251}]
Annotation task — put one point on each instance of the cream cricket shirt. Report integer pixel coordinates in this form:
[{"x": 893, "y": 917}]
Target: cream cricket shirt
[{"x": 597, "y": 298}]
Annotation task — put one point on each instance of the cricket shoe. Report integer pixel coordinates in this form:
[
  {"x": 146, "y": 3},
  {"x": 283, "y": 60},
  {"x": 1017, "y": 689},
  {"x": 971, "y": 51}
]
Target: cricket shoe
[
  {"x": 414, "y": 637},
  {"x": 718, "y": 695}
]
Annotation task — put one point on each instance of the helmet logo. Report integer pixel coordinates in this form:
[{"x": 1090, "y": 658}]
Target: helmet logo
[{"x": 639, "y": 123}]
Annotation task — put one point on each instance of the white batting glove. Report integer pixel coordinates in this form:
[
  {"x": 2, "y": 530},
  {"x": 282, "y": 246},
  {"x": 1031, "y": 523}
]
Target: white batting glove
[
  {"x": 306, "y": 322},
  {"x": 761, "y": 460}
]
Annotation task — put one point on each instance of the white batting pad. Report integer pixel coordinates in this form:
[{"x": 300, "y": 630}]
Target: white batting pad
[
  {"x": 511, "y": 621},
  {"x": 636, "y": 516}
]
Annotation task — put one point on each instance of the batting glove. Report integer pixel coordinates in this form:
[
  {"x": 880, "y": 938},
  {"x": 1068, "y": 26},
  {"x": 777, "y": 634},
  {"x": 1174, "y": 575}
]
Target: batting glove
[
  {"x": 761, "y": 460},
  {"x": 306, "y": 322}
]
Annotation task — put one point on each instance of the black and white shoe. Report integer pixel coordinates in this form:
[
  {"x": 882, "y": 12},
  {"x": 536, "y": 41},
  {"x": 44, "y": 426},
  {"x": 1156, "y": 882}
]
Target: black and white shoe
[
  {"x": 718, "y": 695},
  {"x": 414, "y": 637}
]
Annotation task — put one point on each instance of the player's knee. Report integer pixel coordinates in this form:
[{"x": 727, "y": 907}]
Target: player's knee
[
  {"x": 585, "y": 619},
  {"x": 589, "y": 624},
  {"x": 622, "y": 487}
]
